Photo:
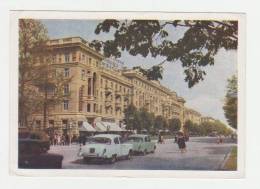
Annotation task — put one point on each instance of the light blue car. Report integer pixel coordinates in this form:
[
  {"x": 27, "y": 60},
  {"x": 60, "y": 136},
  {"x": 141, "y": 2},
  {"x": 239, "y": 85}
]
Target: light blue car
[{"x": 141, "y": 143}]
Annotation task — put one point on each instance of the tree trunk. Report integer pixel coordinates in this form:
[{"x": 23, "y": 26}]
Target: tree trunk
[{"x": 45, "y": 108}]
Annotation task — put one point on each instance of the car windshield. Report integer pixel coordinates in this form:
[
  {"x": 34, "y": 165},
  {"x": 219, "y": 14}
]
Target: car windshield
[
  {"x": 135, "y": 139},
  {"x": 100, "y": 140}
]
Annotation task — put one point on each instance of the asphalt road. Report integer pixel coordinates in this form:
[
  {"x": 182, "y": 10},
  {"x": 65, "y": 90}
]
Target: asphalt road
[{"x": 203, "y": 153}]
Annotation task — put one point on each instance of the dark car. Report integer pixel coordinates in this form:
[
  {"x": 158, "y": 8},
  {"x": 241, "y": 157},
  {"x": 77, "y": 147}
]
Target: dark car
[{"x": 33, "y": 152}]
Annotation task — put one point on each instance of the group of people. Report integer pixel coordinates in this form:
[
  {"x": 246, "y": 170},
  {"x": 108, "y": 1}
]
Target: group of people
[
  {"x": 61, "y": 139},
  {"x": 179, "y": 139}
]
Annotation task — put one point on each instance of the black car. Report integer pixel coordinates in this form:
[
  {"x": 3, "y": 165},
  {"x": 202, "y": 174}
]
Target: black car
[{"x": 33, "y": 152}]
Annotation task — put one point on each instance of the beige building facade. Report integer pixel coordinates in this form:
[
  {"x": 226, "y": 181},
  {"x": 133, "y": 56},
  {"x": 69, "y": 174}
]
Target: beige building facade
[
  {"x": 207, "y": 119},
  {"x": 100, "y": 91},
  {"x": 192, "y": 115}
]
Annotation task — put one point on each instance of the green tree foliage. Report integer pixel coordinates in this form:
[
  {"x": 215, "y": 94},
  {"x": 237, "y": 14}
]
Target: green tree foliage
[
  {"x": 160, "y": 123},
  {"x": 32, "y": 37},
  {"x": 196, "y": 49},
  {"x": 230, "y": 106},
  {"x": 207, "y": 128},
  {"x": 40, "y": 85},
  {"x": 174, "y": 124}
]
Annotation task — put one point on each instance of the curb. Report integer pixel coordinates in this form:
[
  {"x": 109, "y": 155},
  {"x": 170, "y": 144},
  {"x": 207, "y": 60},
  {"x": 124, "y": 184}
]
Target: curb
[{"x": 222, "y": 165}]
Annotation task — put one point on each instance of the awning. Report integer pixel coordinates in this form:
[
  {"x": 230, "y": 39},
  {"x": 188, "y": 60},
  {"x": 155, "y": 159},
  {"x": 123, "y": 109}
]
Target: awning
[
  {"x": 112, "y": 126},
  {"x": 99, "y": 126},
  {"x": 86, "y": 127}
]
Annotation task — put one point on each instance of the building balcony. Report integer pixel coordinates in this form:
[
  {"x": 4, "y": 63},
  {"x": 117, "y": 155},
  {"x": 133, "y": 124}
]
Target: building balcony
[
  {"x": 118, "y": 105},
  {"x": 108, "y": 90},
  {"x": 89, "y": 98},
  {"x": 108, "y": 103},
  {"x": 118, "y": 94}
]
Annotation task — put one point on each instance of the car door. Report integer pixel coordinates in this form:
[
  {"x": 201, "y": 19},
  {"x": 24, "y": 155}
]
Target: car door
[
  {"x": 149, "y": 144},
  {"x": 123, "y": 147},
  {"x": 117, "y": 147}
]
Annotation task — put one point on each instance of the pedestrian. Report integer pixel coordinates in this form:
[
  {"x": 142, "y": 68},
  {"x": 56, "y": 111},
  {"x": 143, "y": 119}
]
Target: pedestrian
[
  {"x": 181, "y": 142},
  {"x": 159, "y": 138}
]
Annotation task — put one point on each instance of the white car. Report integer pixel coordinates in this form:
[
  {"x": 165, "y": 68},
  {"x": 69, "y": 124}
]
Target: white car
[{"x": 106, "y": 147}]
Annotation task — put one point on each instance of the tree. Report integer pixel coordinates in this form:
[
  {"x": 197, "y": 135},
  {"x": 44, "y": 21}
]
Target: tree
[
  {"x": 196, "y": 49},
  {"x": 230, "y": 106},
  {"x": 187, "y": 126},
  {"x": 147, "y": 119},
  {"x": 130, "y": 112},
  {"x": 160, "y": 123},
  {"x": 40, "y": 84},
  {"x": 32, "y": 36},
  {"x": 174, "y": 124}
]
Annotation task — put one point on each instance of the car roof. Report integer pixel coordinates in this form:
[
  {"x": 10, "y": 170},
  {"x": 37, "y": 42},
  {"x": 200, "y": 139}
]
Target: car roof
[
  {"x": 138, "y": 135},
  {"x": 111, "y": 136}
]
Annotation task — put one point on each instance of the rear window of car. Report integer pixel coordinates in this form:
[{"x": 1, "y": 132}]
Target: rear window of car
[
  {"x": 135, "y": 139},
  {"x": 100, "y": 140}
]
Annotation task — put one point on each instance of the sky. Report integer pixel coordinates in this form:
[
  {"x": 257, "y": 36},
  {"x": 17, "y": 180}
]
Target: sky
[{"x": 207, "y": 97}]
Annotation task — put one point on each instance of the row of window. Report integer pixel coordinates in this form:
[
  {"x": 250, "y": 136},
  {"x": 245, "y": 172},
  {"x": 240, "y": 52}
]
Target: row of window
[
  {"x": 88, "y": 108},
  {"x": 73, "y": 57},
  {"x": 113, "y": 85}
]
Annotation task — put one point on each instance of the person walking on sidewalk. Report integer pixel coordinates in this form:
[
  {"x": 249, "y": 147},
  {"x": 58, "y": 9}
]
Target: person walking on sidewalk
[{"x": 181, "y": 142}]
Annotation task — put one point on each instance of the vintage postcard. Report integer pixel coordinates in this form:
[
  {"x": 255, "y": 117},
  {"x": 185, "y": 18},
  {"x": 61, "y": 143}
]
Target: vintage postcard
[{"x": 127, "y": 94}]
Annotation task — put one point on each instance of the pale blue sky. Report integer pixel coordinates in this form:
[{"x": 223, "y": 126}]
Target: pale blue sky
[{"x": 206, "y": 97}]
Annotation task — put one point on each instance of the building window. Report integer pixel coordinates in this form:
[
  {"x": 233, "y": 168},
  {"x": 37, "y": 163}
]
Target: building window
[
  {"x": 89, "y": 86},
  {"x": 66, "y": 89},
  {"x": 51, "y": 123},
  {"x": 100, "y": 109},
  {"x": 38, "y": 123},
  {"x": 74, "y": 56},
  {"x": 54, "y": 59},
  {"x": 83, "y": 74},
  {"x": 88, "y": 108},
  {"x": 67, "y": 57},
  {"x": 66, "y": 72},
  {"x": 94, "y": 108},
  {"x": 89, "y": 61},
  {"x": 79, "y": 57},
  {"x": 65, "y": 105},
  {"x": 83, "y": 57}
]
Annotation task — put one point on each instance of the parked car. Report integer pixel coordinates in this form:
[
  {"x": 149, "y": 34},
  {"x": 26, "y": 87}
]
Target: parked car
[
  {"x": 33, "y": 152},
  {"x": 108, "y": 147},
  {"x": 141, "y": 143}
]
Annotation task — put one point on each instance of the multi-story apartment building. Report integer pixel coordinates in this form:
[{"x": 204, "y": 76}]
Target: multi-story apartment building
[{"x": 100, "y": 91}]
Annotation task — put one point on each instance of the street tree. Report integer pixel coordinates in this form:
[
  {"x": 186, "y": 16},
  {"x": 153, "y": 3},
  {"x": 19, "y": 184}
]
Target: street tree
[
  {"x": 147, "y": 119},
  {"x": 130, "y": 115},
  {"x": 160, "y": 123},
  {"x": 32, "y": 36},
  {"x": 174, "y": 124},
  {"x": 230, "y": 106},
  {"x": 196, "y": 49},
  {"x": 41, "y": 85}
]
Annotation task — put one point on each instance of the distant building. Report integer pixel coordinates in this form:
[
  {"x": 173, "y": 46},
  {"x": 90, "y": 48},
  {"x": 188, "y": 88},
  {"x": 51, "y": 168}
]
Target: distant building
[
  {"x": 100, "y": 90},
  {"x": 207, "y": 119},
  {"x": 192, "y": 115}
]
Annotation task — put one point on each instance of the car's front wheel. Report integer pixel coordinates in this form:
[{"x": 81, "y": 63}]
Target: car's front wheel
[
  {"x": 145, "y": 152},
  {"x": 153, "y": 149},
  {"x": 112, "y": 159},
  {"x": 130, "y": 154}
]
